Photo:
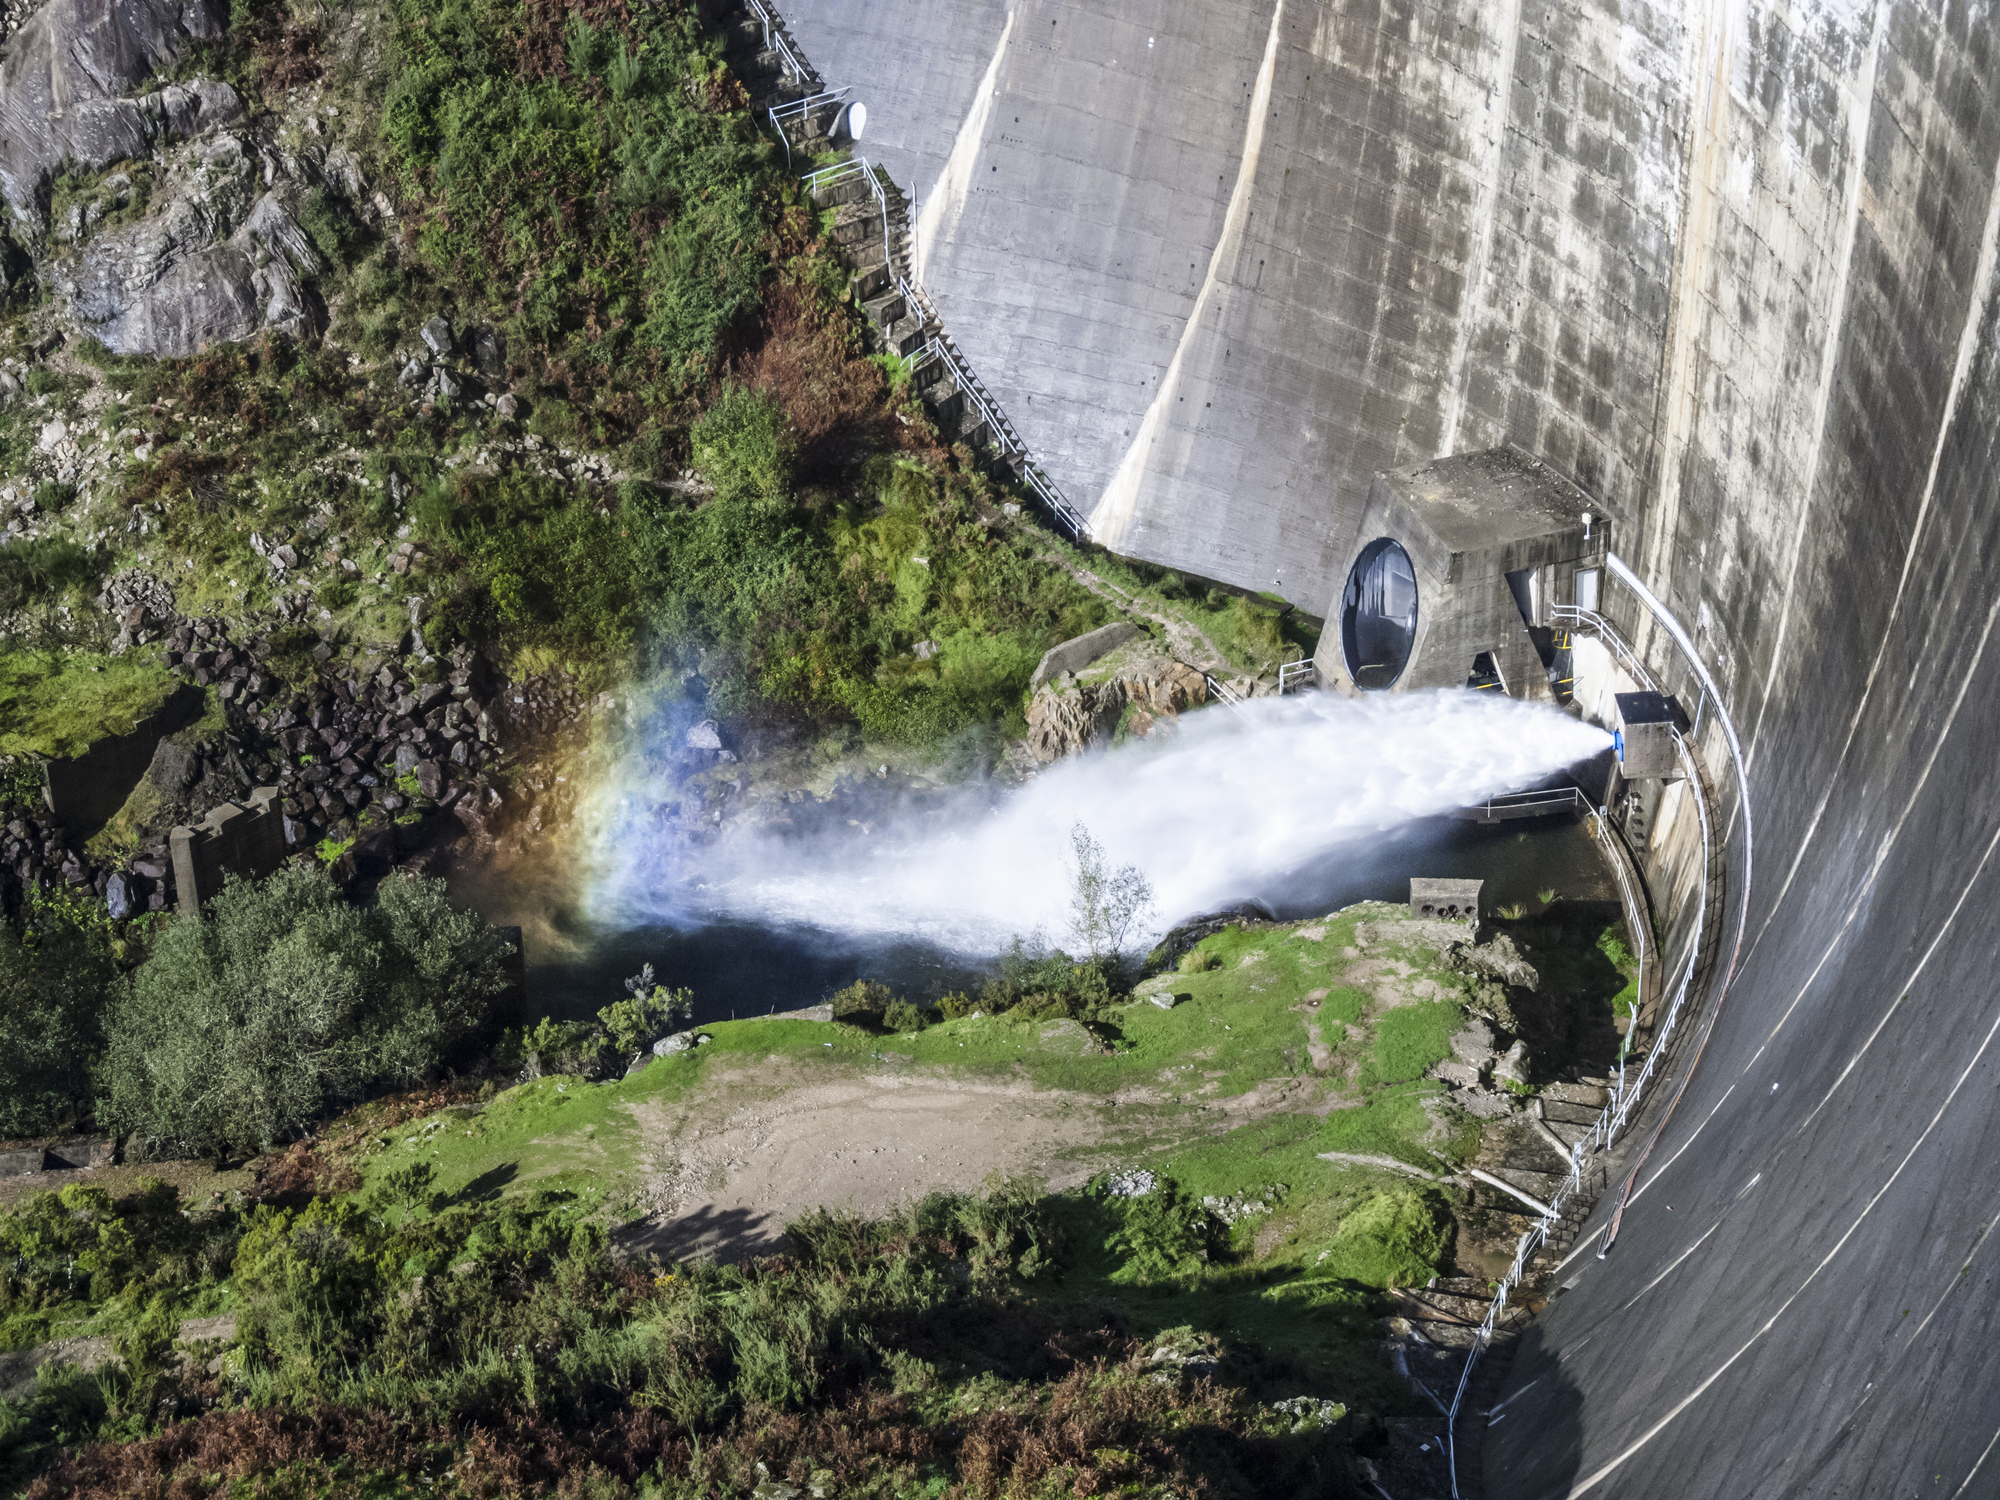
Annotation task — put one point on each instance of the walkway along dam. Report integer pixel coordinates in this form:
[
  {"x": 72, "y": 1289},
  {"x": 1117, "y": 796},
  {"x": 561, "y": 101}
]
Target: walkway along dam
[{"x": 1730, "y": 268}]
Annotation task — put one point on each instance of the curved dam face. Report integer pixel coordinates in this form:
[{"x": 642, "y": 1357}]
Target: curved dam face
[{"x": 1730, "y": 266}]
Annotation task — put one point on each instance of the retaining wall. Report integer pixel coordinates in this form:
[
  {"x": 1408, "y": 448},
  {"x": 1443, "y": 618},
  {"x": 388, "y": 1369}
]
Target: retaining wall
[
  {"x": 246, "y": 839},
  {"x": 85, "y": 792}
]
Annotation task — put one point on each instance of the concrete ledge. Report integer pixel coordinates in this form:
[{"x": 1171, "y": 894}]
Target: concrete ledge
[{"x": 1074, "y": 655}]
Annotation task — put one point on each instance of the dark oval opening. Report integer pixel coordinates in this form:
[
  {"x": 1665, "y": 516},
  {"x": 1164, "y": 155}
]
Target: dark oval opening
[{"x": 1378, "y": 614}]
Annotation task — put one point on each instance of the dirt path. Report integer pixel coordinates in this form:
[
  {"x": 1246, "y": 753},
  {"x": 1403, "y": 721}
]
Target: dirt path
[
  {"x": 1187, "y": 643},
  {"x": 729, "y": 1170}
]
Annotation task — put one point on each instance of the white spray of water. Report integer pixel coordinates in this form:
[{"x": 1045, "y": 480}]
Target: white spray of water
[{"x": 1219, "y": 812}]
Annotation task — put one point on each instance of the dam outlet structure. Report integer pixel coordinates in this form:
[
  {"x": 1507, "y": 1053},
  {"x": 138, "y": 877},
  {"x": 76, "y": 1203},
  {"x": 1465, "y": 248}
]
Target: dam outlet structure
[{"x": 1728, "y": 268}]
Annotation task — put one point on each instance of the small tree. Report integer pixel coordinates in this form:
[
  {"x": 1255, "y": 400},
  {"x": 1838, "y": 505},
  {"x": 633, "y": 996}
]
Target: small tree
[
  {"x": 1103, "y": 905},
  {"x": 652, "y": 1010}
]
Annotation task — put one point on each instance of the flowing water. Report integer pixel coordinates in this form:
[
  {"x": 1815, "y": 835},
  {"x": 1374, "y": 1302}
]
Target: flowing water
[{"x": 1299, "y": 804}]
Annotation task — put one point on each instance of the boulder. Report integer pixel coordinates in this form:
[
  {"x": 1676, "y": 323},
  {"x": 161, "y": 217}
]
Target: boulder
[
  {"x": 1459, "y": 1075},
  {"x": 1513, "y": 1066},
  {"x": 68, "y": 84},
  {"x": 117, "y": 898},
  {"x": 173, "y": 770},
  {"x": 1499, "y": 960},
  {"x": 489, "y": 354},
  {"x": 1474, "y": 1045},
  {"x": 436, "y": 334},
  {"x": 680, "y": 1041},
  {"x": 706, "y": 735},
  {"x": 1063, "y": 723}
]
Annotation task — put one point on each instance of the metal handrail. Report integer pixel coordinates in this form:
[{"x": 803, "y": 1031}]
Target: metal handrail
[
  {"x": 779, "y": 113},
  {"x": 774, "y": 38},
  {"x": 839, "y": 171},
  {"x": 1297, "y": 671},
  {"x": 1005, "y": 437},
  {"x": 1617, "y": 1114},
  {"x": 1609, "y": 1125},
  {"x": 1223, "y": 692},
  {"x": 1549, "y": 797},
  {"x": 936, "y": 347}
]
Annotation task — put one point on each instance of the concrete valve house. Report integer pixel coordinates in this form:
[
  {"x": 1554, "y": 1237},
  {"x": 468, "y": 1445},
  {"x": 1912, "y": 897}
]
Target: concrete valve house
[{"x": 1452, "y": 580}]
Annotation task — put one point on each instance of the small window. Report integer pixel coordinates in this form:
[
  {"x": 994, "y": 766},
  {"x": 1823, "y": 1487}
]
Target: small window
[{"x": 1586, "y": 589}]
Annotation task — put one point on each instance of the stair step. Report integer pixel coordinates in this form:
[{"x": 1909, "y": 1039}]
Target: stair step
[
  {"x": 904, "y": 337},
  {"x": 1594, "y": 1095},
  {"x": 887, "y": 309}
]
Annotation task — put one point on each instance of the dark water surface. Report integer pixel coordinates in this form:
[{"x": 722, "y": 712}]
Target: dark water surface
[{"x": 745, "y": 969}]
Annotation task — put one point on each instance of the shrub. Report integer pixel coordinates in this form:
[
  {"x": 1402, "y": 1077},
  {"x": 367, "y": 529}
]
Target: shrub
[
  {"x": 863, "y": 1000},
  {"x": 903, "y": 1016},
  {"x": 1166, "y": 1235},
  {"x": 1043, "y": 985},
  {"x": 742, "y": 447},
  {"x": 284, "y": 999},
  {"x": 649, "y": 1011},
  {"x": 1194, "y": 961},
  {"x": 53, "y": 990}
]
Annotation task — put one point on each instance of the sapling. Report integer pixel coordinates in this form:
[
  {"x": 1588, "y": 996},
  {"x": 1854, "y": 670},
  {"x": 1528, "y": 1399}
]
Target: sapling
[{"x": 1103, "y": 904}]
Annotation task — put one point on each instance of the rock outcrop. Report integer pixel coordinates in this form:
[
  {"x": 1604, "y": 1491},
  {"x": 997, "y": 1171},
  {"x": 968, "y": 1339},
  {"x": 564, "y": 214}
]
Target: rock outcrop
[
  {"x": 1067, "y": 718},
  {"x": 216, "y": 261},
  {"x": 68, "y": 89}
]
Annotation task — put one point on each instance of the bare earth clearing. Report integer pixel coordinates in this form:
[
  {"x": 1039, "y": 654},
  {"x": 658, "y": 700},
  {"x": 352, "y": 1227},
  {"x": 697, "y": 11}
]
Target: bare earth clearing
[{"x": 731, "y": 1162}]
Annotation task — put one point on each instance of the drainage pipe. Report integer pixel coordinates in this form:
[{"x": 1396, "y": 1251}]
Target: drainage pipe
[{"x": 1505, "y": 1186}]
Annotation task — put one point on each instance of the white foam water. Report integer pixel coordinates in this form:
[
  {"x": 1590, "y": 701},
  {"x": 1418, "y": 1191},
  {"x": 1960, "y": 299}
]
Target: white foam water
[{"x": 1226, "y": 808}]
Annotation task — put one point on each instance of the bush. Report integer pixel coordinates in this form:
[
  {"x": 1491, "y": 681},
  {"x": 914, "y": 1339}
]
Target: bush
[
  {"x": 648, "y": 1014},
  {"x": 864, "y": 1000},
  {"x": 284, "y": 999},
  {"x": 1166, "y": 1235},
  {"x": 1044, "y": 985},
  {"x": 903, "y": 1016},
  {"x": 742, "y": 447},
  {"x": 53, "y": 990},
  {"x": 1194, "y": 961}
]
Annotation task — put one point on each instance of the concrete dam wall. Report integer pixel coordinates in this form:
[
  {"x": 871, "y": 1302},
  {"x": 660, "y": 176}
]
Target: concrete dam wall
[{"x": 1731, "y": 267}]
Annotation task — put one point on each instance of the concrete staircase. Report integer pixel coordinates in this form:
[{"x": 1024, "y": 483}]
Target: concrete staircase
[
  {"x": 761, "y": 52},
  {"x": 1442, "y": 1321}
]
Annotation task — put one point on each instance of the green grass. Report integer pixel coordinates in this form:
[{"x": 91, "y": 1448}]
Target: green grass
[
  {"x": 59, "y": 706},
  {"x": 1409, "y": 1039}
]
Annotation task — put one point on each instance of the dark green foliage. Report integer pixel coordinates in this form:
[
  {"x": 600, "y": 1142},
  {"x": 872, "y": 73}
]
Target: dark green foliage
[
  {"x": 863, "y": 1000},
  {"x": 599, "y": 178},
  {"x": 242, "y": 1027},
  {"x": 53, "y": 989},
  {"x": 462, "y": 1346},
  {"x": 1166, "y": 1235},
  {"x": 901, "y": 1015},
  {"x": 742, "y": 447}
]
